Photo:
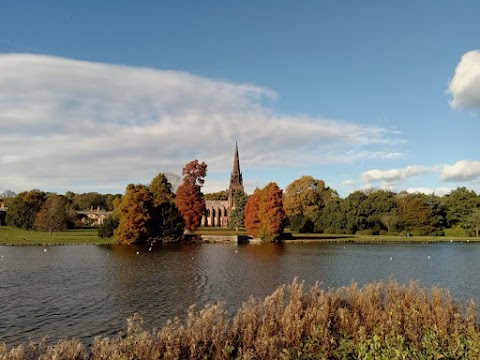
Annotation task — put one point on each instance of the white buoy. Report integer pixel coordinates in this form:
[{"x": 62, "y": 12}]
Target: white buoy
[
  {"x": 138, "y": 252},
  {"x": 391, "y": 258},
  {"x": 45, "y": 250},
  {"x": 429, "y": 256}
]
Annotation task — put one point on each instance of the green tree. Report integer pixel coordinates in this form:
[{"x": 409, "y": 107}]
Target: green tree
[
  {"x": 459, "y": 205},
  {"x": 237, "y": 215},
  {"x": 161, "y": 190},
  {"x": 473, "y": 221},
  {"x": 331, "y": 219},
  {"x": 189, "y": 197},
  {"x": 220, "y": 195},
  {"x": 377, "y": 204},
  {"x": 107, "y": 228},
  {"x": 356, "y": 212},
  {"x": 168, "y": 223},
  {"x": 53, "y": 215},
  {"x": 23, "y": 208},
  {"x": 415, "y": 214}
]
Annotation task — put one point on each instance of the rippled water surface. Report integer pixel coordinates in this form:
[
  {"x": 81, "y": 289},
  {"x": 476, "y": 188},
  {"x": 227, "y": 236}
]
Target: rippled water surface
[{"x": 85, "y": 291}]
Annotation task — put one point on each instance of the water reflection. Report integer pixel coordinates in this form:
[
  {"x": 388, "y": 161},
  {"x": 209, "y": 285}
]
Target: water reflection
[{"x": 84, "y": 291}]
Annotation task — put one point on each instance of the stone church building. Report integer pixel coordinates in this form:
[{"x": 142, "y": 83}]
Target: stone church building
[{"x": 218, "y": 211}]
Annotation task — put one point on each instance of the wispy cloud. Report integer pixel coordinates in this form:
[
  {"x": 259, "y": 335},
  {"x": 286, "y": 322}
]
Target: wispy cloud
[
  {"x": 75, "y": 125},
  {"x": 465, "y": 84}
]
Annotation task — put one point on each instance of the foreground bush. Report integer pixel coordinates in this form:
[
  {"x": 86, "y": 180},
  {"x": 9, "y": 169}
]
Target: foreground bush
[{"x": 378, "y": 321}]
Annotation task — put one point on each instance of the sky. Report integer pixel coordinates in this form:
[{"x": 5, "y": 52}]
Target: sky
[{"x": 95, "y": 95}]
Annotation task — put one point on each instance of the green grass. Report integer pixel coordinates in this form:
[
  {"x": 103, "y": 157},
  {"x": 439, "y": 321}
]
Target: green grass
[
  {"x": 219, "y": 231},
  {"x": 299, "y": 237},
  {"x": 13, "y": 236}
]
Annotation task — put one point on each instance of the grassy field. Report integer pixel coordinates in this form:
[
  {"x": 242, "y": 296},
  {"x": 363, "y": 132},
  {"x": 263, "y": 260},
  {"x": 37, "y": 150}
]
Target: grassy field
[{"x": 13, "y": 236}]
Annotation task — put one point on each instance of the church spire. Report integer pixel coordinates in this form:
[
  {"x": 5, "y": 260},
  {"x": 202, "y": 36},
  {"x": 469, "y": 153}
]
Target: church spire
[{"x": 236, "y": 179}]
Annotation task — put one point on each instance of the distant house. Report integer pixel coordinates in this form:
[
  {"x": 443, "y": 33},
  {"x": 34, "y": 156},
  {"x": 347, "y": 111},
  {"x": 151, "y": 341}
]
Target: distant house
[{"x": 93, "y": 217}]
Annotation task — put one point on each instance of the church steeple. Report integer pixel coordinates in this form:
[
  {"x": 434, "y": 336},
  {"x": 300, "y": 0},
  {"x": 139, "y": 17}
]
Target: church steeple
[{"x": 236, "y": 179}]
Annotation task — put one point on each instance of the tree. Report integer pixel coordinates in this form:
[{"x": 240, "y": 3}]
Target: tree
[
  {"x": 264, "y": 214},
  {"x": 53, "y": 215},
  {"x": 107, "y": 228},
  {"x": 161, "y": 190},
  {"x": 331, "y": 219},
  {"x": 237, "y": 215},
  {"x": 220, "y": 195},
  {"x": 459, "y": 204},
  {"x": 474, "y": 221},
  {"x": 415, "y": 214},
  {"x": 23, "y": 208},
  {"x": 252, "y": 219},
  {"x": 377, "y": 204},
  {"x": 146, "y": 214},
  {"x": 189, "y": 197},
  {"x": 306, "y": 196},
  {"x": 134, "y": 213},
  {"x": 356, "y": 212}
]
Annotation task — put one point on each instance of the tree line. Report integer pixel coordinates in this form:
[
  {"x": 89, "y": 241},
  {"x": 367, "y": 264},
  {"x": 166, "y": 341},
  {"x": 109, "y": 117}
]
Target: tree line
[{"x": 154, "y": 212}]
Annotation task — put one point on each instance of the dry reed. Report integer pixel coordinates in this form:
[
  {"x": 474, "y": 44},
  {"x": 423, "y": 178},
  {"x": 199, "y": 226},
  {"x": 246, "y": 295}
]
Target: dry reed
[{"x": 377, "y": 321}]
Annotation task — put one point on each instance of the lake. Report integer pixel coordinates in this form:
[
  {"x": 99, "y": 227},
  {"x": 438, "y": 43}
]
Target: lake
[{"x": 86, "y": 291}]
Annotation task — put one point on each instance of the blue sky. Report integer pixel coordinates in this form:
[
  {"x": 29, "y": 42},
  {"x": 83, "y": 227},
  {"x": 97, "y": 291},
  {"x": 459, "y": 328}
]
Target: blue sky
[{"x": 96, "y": 95}]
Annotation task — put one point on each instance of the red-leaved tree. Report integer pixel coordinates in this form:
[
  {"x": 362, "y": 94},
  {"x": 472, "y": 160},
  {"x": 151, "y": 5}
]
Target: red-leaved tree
[
  {"x": 189, "y": 197},
  {"x": 264, "y": 214},
  {"x": 252, "y": 221}
]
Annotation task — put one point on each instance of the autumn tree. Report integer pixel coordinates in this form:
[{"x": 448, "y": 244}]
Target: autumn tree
[
  {"x": 264, "y": 214},
  {"x": 189, "y": 197},
  {"x": 306, "y": 196},
  {"x": 252, "y": 218},
  {"x": 53, "y": 215},
  {"x": 134, "y": 213},
  {"x": 147, "y": 214}
]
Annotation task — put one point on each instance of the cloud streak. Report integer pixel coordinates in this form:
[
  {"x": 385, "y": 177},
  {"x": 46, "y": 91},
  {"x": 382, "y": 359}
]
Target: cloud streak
[{"x": 76, "y": 125}]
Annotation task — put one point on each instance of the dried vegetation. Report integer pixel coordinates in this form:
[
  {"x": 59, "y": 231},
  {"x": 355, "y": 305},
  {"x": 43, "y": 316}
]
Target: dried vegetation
[{"x": 378, "y": 321}]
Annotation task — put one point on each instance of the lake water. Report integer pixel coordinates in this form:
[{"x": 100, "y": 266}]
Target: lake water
[{"x": 85, "y": 291}]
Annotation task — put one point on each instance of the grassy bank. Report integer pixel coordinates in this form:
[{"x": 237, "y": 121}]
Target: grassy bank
[
  {"x": 299, "y": 237},
  {"x": 13, "y": 236},
  {"x": 378, "y": 321}
]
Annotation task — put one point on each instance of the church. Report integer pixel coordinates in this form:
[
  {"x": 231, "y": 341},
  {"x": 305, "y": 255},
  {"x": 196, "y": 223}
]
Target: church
[{"x": 218, "y": 211}]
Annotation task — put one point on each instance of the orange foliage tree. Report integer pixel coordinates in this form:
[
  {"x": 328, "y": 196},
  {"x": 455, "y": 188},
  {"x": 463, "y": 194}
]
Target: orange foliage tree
[
  {"x": 134, "y": 214},
  {"x": 189, "y": 197},
  {"x": 264, "y": 213},
  {"x": 252, "y": 221}
]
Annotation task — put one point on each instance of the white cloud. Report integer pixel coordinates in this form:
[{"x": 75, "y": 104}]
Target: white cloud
[
  {"x": 80, "y": 126},
  {"x": 463, "y": 170},
  {"x": 393, "y": 175},
  {"x": 465, "y": 85},
  {"x": 440, "y": 191}
]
